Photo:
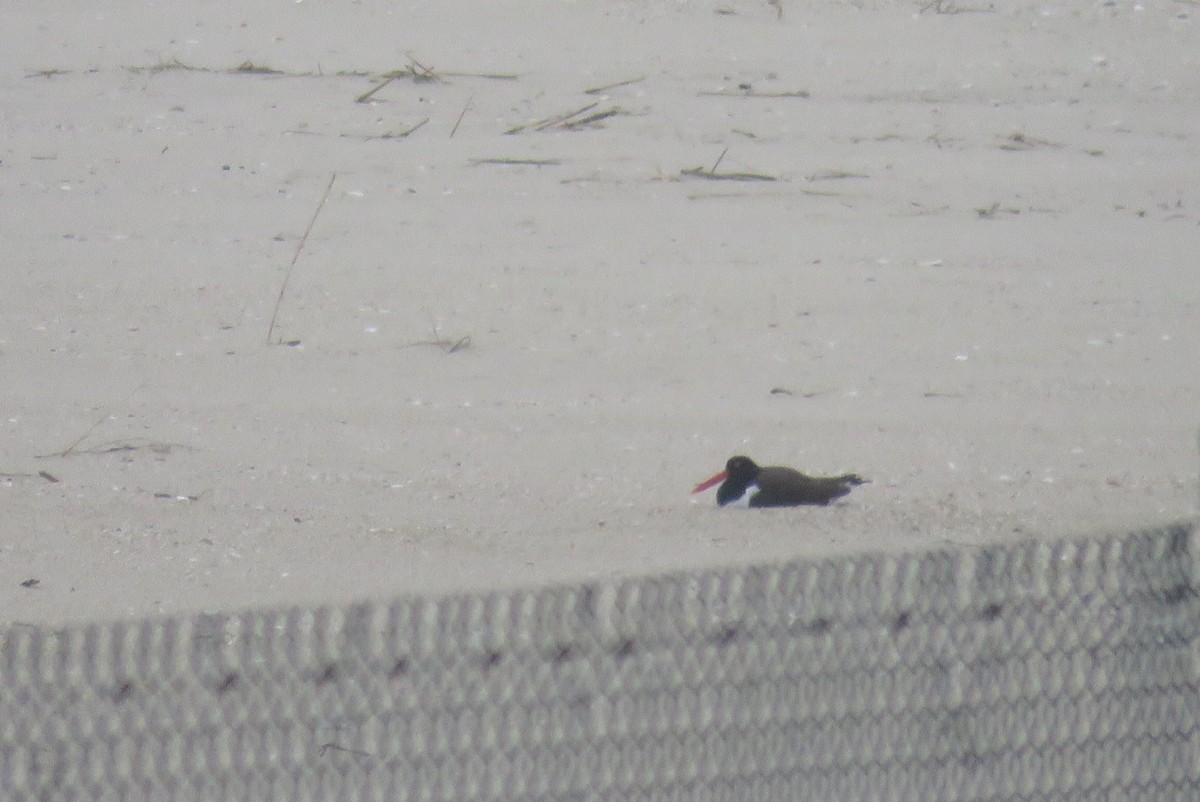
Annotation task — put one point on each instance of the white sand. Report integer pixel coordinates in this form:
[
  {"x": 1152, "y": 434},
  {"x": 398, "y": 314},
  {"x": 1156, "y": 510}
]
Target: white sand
[{"x": 1029, "y": 370}]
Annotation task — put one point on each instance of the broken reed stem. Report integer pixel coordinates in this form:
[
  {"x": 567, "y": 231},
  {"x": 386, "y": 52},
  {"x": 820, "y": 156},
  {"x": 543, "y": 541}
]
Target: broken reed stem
[
  {"x": 799, "y": 93},
  {"x": 712, "y": 174},
  {"x": 561, "y": 120},
  {"x": 528, "y": 162},
  {"x": 549, "y": 122},
  {"x": 461, "y": 114},
  {"x": 425, "y": 74},
  {"x": 713, "y": 169},
  {"x": 700, "y": 172},
  {"x": 408, "y": 131},
  {"x": 71, "y": 448},
  {"x": 303, "y": 239},
  {"x": 596, "y": 90},
  {"x": 491, "y": 76},
  {"x": 365, "y": 96},
  {"x": 591, "y": 119},
  {"x": 390, "y": 134}
]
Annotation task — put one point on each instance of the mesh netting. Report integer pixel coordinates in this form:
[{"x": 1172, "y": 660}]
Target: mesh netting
[{"x": 1039, "y": 671}]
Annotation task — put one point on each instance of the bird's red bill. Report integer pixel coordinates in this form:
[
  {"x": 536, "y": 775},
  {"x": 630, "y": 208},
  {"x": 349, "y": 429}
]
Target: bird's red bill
[{"x": 714, "y": 480}]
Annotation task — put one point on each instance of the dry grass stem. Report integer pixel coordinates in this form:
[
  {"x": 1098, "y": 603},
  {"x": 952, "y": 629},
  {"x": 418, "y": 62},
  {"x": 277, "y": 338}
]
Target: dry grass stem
[
  {"x": 365, "y": 96},
  {"x": 700, "y": 172},
  {"x": 256, "y": 69},
  {"x": 391, "y": 134},
  {"x": 798, "y": 93},
  {"x": 834, "y": 175},
  {"x": 461, "y": 114},
  {"x": 571, "y": 121},
  {"x": 1019, "y": 141},
  {"x": 532, "y": 162},
  {"x": 597, "y": 90},
  {"x": 300, "y": 247},
  {"x": 448, "y": 345},
  {"x": 548, "y": 122}
]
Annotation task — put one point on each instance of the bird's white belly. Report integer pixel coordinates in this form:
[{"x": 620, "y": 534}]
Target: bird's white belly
[{"x": 744, "y": 501}]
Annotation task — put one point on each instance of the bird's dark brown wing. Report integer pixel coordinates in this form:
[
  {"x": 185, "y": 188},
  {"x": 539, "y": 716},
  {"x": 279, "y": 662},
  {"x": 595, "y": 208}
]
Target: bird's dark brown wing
[{"x": 785, "y": 487}]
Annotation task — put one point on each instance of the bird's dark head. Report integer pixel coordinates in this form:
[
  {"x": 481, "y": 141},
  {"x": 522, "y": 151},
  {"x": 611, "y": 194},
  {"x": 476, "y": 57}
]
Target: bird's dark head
[
  {"x": 742, "y": 469},
  {"x": 739, "y": 473}
]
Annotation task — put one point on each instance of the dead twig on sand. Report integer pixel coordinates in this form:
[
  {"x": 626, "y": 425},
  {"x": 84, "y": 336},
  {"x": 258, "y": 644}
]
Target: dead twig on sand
[
  {"x": 111, "y": 447},
  {"x": 365, "y": 96},
  {"x": 69, "y": 450},
  {"x": 591, "y": 119},
  {"x": 571, "y": 121},
  {"x": 461, "y": 114},
  {"x": 491, "y": 76},
  {"x": 599, "y": 90},
  {"x": 415, "y": 70},
  {"x": 950, "y": 7},
  {"x": 546, "y": 122},
  {"x": 134, "y": 444},
  {"x": 717, "y": 163},
  {"x": 990, "y": 212},
  {"x": 528, "y": 162},
  {"x": 711, "y": 173},
  {"x": 834, "y": 175},
  {"x": 49, "y": 477},
  {"x": 245, "y": 68},
  {"x": 406, "y": 131},
  {"x": 164, "y": 66},
  {"x": 1019, "y": 141},
  {"x": 419, "y": 73},
  {"x": 256, "y": 69},
  {"x": 288, "y": 276},
  {"x": 72, "y": 449},
  {"x": 804, "y": 394},
  {"x": 448, "y": 345},
  {"x": 391, "y": 134},
  {"x": 747, "y": 92}
]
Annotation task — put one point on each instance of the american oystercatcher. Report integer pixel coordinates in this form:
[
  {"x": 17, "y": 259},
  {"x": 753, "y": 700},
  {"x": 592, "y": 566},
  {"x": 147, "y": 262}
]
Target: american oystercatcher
[{"x": 775, "y": 486}]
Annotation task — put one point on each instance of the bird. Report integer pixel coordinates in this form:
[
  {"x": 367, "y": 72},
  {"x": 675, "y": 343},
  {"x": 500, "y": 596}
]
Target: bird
[{"x": 775, "y": 486}]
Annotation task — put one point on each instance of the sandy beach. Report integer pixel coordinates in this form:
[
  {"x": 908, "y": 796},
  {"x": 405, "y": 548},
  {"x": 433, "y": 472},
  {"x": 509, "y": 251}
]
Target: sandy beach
[{"x": 315, "y": 302}]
